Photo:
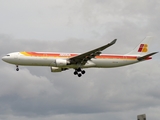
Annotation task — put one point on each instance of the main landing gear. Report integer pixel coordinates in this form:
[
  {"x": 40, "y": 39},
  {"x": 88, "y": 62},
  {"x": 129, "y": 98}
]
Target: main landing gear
[
  {"x": 79, "y": 72},
  {"x": 17, "y": 69}
]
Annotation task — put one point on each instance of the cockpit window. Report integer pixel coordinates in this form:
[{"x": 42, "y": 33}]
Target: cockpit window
[{"x": 7, "y": 55}]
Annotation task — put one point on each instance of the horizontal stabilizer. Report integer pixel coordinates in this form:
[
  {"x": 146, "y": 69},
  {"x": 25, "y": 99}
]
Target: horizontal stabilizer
[{"x": 146, "y": 56}]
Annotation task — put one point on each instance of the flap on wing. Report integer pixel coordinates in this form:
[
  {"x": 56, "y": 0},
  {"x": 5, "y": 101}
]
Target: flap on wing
[
  {"x": 146, "y": 56},
  {"x": 83, "y": 58}
]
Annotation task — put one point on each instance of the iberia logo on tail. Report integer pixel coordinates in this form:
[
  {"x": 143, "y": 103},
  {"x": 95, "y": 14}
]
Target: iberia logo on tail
[{"x": 143, "y": 48}]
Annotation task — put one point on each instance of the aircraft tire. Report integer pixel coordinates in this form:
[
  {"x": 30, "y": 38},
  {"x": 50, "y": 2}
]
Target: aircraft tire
[
  {"x": 75, "y": 72},
  {"x": 79, "y": 69},
  {"x": 83, "y": 71},
  {"x": 79, "y": 75},
  {"x": 17, "y": 69}
]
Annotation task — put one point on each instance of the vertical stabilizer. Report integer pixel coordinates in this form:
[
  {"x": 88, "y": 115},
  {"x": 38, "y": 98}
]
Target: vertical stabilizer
[{"x": 143, "y": 47}]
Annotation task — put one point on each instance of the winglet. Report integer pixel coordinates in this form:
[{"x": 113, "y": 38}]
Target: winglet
[
  {"x": 113, "y": 42},
  {"x": 146, "y": 56}
]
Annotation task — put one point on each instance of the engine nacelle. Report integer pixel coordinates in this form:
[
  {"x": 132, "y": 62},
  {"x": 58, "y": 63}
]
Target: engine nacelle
[
  {"x": 61, "y": 62},
  {"x": 57, "y": 69}
]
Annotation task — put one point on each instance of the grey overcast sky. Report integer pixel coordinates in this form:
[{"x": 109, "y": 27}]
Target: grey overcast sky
[{"x": 34, "y": 93}]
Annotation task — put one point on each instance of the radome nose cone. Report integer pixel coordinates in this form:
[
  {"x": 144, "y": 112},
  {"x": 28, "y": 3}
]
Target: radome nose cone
[{"x": 3, "y": 58}]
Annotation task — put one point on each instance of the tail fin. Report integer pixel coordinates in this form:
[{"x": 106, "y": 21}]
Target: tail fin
[{"x": 143, "y": 47}]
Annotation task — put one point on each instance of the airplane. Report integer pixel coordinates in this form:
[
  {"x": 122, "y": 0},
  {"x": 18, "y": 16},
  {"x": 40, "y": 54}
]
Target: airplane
[{"x": 92, "y": 59}]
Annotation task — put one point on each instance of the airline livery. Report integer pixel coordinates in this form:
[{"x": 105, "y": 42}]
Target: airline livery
[{"x": 92, "y": 59}]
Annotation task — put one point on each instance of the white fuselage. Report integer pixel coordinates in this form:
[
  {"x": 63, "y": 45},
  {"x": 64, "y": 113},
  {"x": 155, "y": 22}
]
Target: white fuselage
[{"x": 49, "y": 59}]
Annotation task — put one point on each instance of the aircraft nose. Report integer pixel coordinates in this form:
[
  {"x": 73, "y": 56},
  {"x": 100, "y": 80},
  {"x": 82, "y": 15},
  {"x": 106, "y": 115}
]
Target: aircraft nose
[
  {"x": 8, "y": 58},
  {"x": 4, "y": 58}
]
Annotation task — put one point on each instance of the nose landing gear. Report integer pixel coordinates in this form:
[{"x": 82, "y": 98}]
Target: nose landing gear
[
  {"x": 79, "y": 72},
  {"x": 17, "y": 69}
]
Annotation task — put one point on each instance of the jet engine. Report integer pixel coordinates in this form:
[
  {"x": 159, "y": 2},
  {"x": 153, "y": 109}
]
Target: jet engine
[
  {"x": 57, "y": 69},
  {"x": 61, "y": 62}
]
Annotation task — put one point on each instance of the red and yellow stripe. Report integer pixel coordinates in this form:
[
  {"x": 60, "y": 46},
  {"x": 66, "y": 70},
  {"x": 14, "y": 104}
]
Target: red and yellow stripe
[{"x": 65, "y": 55}]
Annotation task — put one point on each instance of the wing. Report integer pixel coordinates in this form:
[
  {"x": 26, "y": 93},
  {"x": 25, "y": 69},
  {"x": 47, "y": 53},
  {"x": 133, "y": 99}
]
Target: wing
[{"x": 83, "y": 58}]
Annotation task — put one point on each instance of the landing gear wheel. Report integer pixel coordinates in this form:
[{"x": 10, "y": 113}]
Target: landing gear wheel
[
  {"x": 78, "y": 69},
  {"x": 17, "y": 69},
  {"x": 83, "y": 72},
  {"x": 75, "y": 72},
  {"x": 79, "y": 75},
  {"x": 79, "y": 72}
]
